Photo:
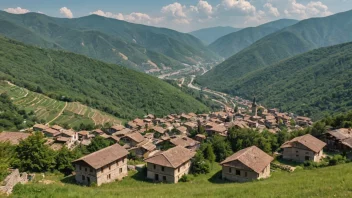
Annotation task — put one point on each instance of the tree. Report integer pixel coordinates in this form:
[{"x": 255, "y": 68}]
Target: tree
[
  {"x": 33, "y": 155},
  {"x": 6, "y": 158},
  {"x": 64, "y": 160},
  {"x": 199, "y": 164},
  {"x": 98, "y": 143},
  {"x": 222, "y": 148},
  {"x": 209, "y": 153}
]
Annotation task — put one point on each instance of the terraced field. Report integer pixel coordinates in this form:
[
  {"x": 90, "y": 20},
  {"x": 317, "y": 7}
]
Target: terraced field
[{"x": 54, "y": 111}]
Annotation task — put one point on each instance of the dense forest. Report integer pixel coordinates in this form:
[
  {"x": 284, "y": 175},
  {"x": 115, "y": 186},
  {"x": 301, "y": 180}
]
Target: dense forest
[
  {"x": 233, "y": 43},
  {"x": 302, "y": 37},
  {"x": 314, "y": 84},
  {"x": 131, "y": 45},
  {"x": 66, "y": 76}
]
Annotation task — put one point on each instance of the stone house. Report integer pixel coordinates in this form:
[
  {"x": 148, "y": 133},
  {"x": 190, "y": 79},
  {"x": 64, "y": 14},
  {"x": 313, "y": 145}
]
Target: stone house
[
  {"x": 103, "y": 166},
  {"x": 169, "y": 166},
  {"x": 39, "y": 127},
  {"x": 339, "y": 139},
  {"x": 246, "y": 165},
  {"x": 185, "y": 142},
  {"x": 303, "y": 148},
  {"x": 114, "y": 129},
  {"x": 49, "y": 132},
  {"x": 133, "y": 139}
]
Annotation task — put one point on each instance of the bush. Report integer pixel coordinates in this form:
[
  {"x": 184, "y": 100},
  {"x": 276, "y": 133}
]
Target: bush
[
  {"x": 187, "y": 178},
  {"x": 336, "y": 159}
]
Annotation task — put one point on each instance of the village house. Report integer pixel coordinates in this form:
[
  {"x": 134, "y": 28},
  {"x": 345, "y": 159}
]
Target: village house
[
  {"x": 49, "y": 132},
  {"x": 83, "y": 135},
  {"x": 57, "y": 127},
  {"x": 217, "y": 130},
  {"x": 182, "y": 130},
  {"x": 104, "y": 166},
  {"x": 339, "y": 139},
  {"x": 303, "y": 148},
  {"x": 185, "y": 142},
  {"x": 123, "y": 132},
  {"x": 97, "y": 132},
  {"x": 246, "y": 165},
  {"x": 13, "y": 138},
  {"x": 114, "y": 129},
  {"x": 190, "y": 125},
  {"x": 303, "y": 121},
  {"x": 200, "y": 137},
  {"x": 143, "y": 150},
  {"x": 39, "y": 127},
  {"x": 133, "y": 139},
  {"x": 169, "y": 166}
]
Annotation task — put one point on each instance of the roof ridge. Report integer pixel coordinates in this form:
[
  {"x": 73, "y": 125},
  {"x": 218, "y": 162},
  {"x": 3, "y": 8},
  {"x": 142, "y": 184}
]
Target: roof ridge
[{"x": 96, "y": 152}]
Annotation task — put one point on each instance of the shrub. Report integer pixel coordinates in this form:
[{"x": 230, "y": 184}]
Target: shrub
[{"x": 187, "y": 178}]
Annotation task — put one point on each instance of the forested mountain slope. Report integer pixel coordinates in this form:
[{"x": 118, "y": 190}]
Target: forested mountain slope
[
  {"x": 313, "y": 84},
  {"x": 70, "y": 77},
  {"x": 230, "y": 44},
  {"x": 209, "y": 35},
  {"x": 140, "y": 47},
  {"x": 296, "y": 39}
]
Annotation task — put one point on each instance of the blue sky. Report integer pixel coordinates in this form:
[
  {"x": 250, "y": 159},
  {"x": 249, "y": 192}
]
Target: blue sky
[{"x": 183, "y": 15}]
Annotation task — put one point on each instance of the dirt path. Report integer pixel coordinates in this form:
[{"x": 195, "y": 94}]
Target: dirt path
[{"x": 63, "y": 109}]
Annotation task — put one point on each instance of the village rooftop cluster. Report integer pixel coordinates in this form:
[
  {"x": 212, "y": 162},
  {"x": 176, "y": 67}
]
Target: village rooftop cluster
[{"x": 147, "y": 138}]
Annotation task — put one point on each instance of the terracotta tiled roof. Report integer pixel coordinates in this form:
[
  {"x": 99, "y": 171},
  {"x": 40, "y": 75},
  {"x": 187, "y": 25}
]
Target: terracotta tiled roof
[
  {"x": 118, "y": 127},
  {"x": 159, "y": 129},
  {"x": 40, "y": 126},
  {"x": 341, "y": 134},
  {"x": 173, "y": 157},
  {"x": 52, "y": 131},
  {"x": 149, "y": 146},
  {"x": 308, "y": 140},
  {"x": 184, "y": 141},
  {"x": 13, "y": 137},
  {"x": 137, "y": 137},
  {"x": 347, "y": 142},
  {"x": 57, "y": 127},
  {"x": 252, "y": 157},
  {"x": 104, "y": 156}
]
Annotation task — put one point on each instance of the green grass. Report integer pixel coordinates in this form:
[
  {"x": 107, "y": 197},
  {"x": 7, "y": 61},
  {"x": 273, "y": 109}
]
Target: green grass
[
  {"x": 325, "y": 182},
  {"x": 47, "y": 109}
]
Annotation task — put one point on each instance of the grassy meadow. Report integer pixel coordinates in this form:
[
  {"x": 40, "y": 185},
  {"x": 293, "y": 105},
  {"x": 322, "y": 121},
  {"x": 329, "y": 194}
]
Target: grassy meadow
[{"x": 333, "y": 181}]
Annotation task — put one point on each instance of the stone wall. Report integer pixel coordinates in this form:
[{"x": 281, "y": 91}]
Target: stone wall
[{"x": 11, "y": 180}]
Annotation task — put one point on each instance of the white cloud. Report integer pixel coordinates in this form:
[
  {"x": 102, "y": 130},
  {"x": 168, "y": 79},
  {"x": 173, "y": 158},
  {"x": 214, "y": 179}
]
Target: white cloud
[
  {"x": 118, "y": 16},
  {"x": 239, "y": 5},
  {"x": 272, "y": 10},
  {"x": 66, "y": 12},
  {"x": 175, "y": 9},
  {"x": 205, "y": 7},
  {"x": 17, "y": 10},
  {"x": 312, "y": 9},
  {"x": 134, "y": 17}
]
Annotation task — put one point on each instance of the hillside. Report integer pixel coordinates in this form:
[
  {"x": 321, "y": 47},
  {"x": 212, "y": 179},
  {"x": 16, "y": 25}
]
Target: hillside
[
  {"x": 209, "y": 35},
  {"x": 231, "y": 44},
  {"x": 48, "y": 110},
  {"x": 313, "y": 84},
  {"x": 119, "y": 91},
  {"x": 334, "y": 181},
  {"x": 139, "y": 47},
  {"x": 296, "y": 39}
]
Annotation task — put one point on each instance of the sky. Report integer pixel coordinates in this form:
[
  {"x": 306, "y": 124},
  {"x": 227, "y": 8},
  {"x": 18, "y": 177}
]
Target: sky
[{"x": 183, "y": 15}]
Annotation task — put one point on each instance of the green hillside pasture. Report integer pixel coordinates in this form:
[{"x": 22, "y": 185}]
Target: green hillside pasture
[
  {"x": 324, "y": 182},
  {"x": 47, "y": 109}
]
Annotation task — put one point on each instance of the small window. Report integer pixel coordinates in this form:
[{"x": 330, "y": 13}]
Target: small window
[
  {"x": 162, "y": 168},
  {"x": 154, "y": 166},
  {"x": 102, "y": 169},
  {"x": 297, "y": 155},
  {"x": 230, "y": 170},
  {"x": 83, "y": 177},
  {"x": 307, "y": 158},
  {"x": 109, "y": 167},
  {"x": 91, "y": 170},
  {"x": 120, "y": 170},
  {"x": 245, "y": 174},
  {"x": 296, "y": 151},
  {"x": 238, "y": 172},
  {"x": 117, "y": 162},
  {"x": 85, "y": 169},
  {"x": 178, "y": 169},
  {"x": 164, "y": 178},
  {"x": 80, "y": 167},
  {"x": 307, "y": 153}
]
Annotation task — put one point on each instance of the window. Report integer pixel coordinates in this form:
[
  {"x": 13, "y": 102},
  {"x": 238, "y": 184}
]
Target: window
[
  {"x": 91, "y": 170},
  {"x": 162, "y": 168},
  {"x": 102, "y": 169},
  {"x": 230, "y": 169},
  {"x": 238, "y": 172},
  {"x": 245, "y": 174},
  {"x": 109, "y": 167},
  {"x": 83, "y": 177},
  {"x": 307, "y": 153},
  {"x": 164, "y": 178},
  {"x": 297, "y": 155},
  {"x": 120, "y": 170},
  {"x": 307, "y": 158},
  {"x": 108, "y": 176},
  {"x": 154, "y": 166},
  {"x": 85, "y": 169},
  {"x": 296, "y": 151},
  {"x": 178, "y": 169},
  {"x": 117, "y": 162},
  {"x": 80, "y": 167}
]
